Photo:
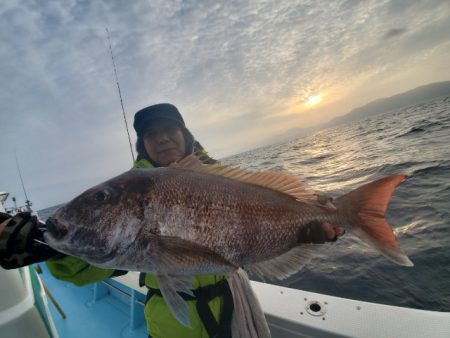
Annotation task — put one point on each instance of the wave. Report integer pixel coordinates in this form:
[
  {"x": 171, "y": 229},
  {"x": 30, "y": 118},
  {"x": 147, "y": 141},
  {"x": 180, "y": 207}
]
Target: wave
[
  {"x": 424, "y": 126},
  {"x": 415, "y": 168},
  {"x": 441, "y": 168}
]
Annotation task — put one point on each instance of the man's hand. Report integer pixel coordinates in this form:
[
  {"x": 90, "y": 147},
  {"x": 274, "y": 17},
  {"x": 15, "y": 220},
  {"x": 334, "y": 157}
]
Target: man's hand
[
  {"x": 332, "y": 233},
  {"x": 326, "y": 201},
  {"x": 22, "y": 241}
]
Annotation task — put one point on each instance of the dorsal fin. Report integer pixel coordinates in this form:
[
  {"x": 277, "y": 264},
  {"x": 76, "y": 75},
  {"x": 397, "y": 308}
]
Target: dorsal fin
[{"x": 281, "y": 182}]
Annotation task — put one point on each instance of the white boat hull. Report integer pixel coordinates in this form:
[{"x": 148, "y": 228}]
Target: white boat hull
[
  {"x": 295, "y": 313},
  {"x": 19, "y": 314},
  {"x": 289, "y": 314}
]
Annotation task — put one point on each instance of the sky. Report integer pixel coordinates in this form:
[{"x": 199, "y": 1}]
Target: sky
[{"x": 242, "y": 73}]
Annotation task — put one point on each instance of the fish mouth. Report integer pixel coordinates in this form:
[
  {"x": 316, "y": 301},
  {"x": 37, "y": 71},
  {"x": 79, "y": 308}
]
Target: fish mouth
[
  {"x": 61, "y": 239},
  {"x": 55, "y": 229}
]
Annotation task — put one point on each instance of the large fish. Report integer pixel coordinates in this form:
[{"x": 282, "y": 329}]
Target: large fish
[{"x": 193, "y": 219}]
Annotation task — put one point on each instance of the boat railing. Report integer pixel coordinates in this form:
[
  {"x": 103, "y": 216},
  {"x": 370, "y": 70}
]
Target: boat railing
[{"x": 134, "y": 299}]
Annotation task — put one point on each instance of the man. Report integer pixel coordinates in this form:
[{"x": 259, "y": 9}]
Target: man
[{"x": 164, "y": 139}]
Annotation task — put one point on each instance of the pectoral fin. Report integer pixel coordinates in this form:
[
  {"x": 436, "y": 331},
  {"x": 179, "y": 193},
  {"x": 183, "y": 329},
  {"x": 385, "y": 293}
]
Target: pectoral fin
[
  {"x": 177, "y": 262},
  {"x": 175, "y": 302},
  {"x": 182, "y": 257},
  {"x": 183, "y": 284}
]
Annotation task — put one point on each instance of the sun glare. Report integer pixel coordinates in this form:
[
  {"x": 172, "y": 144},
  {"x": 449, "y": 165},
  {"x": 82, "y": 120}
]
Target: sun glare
[{"x": 313, "y": 100}]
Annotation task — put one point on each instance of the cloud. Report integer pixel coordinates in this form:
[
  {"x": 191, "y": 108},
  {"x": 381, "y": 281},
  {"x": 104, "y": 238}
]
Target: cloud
[
  {"x": 394, "y": 32},
  {"x": 228, "y": 66}
]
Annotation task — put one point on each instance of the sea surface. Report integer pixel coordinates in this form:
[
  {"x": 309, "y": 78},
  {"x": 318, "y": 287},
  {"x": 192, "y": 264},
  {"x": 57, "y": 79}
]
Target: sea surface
[{"x": 413, "y": 140}]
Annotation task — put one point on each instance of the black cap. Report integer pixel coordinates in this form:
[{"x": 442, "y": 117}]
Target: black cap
[{"x": 157, "y": 111}]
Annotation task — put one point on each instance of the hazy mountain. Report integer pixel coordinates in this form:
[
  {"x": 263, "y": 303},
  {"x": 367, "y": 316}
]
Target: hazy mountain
[{"x": 409, "y": 98}]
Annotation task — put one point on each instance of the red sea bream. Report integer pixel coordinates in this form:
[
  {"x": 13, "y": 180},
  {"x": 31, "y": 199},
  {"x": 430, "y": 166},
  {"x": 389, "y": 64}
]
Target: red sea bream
[{"x": 193, "y": 219}]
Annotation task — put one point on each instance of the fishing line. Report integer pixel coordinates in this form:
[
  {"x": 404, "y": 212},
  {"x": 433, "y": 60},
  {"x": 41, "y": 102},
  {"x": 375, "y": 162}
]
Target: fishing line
[
  {"x": 27, "y": 202},
  {"x": 40, "y": 242},
  {"x": 120, "y": 93}
]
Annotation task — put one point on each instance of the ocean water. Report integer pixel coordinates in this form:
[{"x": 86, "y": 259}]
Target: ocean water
[{"x": 414, "y": 140}]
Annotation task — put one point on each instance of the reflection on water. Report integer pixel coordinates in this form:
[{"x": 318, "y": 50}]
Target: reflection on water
[{"x": 415, "y": 141}]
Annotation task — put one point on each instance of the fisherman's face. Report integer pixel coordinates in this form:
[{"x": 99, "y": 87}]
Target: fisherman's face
[{"x": 164, "y": 142}]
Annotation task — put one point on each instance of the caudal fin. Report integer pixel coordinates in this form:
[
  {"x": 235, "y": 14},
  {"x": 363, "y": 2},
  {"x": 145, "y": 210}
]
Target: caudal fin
[{"x": 365, "y": 208}]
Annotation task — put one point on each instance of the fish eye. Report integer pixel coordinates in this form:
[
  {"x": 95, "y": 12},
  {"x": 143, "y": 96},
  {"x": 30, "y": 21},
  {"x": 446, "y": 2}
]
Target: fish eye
[{"x": 102, "y": 195}]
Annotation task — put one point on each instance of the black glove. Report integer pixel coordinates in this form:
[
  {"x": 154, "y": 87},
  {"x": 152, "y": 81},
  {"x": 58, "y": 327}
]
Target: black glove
[{"x": 22, "y": 241}]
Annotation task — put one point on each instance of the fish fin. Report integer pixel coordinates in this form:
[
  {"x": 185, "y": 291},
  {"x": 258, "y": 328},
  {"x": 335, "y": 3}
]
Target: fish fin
[
  {"x": 183, "y": 284},
  {"x": 248, "y": 317},
  {"x": 184, "y": 257},
  {"x": 369, "y": 203},
  {"x": 175, "y": 302},
  {"x": 286, "y": 264},
  {"x": 281, "y": 182}
]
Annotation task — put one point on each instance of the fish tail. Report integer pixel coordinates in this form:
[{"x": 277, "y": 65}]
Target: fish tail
[{"x": 365, "y": 208}]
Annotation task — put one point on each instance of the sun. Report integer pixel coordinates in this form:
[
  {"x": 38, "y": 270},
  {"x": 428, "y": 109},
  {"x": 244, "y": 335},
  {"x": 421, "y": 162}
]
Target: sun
[{"x": 313, "y": 100}]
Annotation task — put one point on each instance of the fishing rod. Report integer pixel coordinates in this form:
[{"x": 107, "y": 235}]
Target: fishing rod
[
  {"x": 27, "y": 202},
  {"x": 120, "y": 93}
]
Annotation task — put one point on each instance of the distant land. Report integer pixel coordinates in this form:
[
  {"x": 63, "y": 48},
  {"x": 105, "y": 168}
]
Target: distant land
[{"x": 409, "y": 98}]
